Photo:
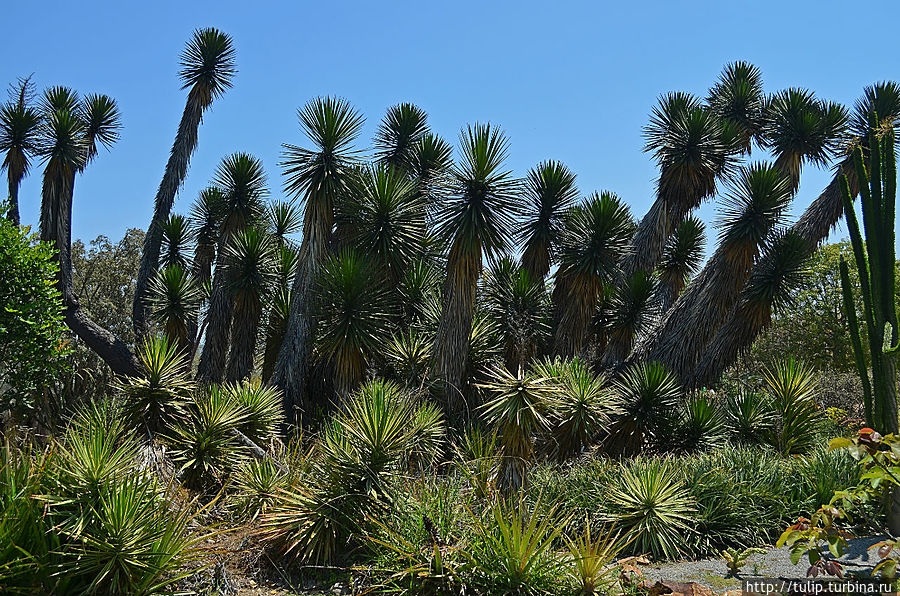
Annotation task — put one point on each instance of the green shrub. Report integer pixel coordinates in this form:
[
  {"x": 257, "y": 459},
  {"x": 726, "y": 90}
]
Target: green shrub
[
  {"x": 702, "y": 424},
  {"x": 32, "y": 333},
  {"x": 648, "y": 397},
  {"x": 798, "y": 421},
  {"x": 749, "y": 415}
]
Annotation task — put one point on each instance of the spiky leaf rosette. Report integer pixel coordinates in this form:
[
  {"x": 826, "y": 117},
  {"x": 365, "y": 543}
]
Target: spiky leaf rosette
[
  {"x": 285, "y": 218},
  {"x": 654, "y": 508},
  {"x": 519, "y": 306},
  {"x": 174, "y": 301},
  {"x": 409, "y": 356},
  {"x": 792, "y": 387},
  {"x": 207, "y": 65},
  {"x": 354, "y": 316},
  {"x": 631, "y": 311},
  {"x": 594, "y": 238},
  {"x": 262, "y": 408},
  {"x": 801, "y": 128},
  {"x": 177, "y": 236},
  {"x": 243, "y": 183},
  {"x": 383, "y": 216},
  {"x": 474, "y": 222},
  {"x": 648, "y": 395},
  {"x": 579, "y": 409},
  {"x": 738, "y": 98},
  {"x": 431, "y": 164},
  {"x": 401, "y": 129},
  {"x": 207, "y": 214},
  {"x": 681, "y": 259},
  {"x": 550, "y": 192},
  {"x": 19, "y": 122},
  {"x": 516, "y": 408},
  {"x": 160, "y": 396},
  {"x": 702, "y": 425}
]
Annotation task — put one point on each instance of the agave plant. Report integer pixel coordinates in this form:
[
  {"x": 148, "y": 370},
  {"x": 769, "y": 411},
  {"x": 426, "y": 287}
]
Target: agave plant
[
  {"x": 517, "y": 409},
  {"x": 653, "y": 508},
  {"x": 476, "y": 221},
  {"x": 159, "y": 397},
  {"x": 207, "y": 70},
  {"x": 648, "y": 395}
]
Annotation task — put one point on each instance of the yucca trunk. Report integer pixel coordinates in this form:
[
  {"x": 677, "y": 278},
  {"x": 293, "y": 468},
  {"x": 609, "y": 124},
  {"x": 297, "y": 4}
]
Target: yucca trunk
[
  {"x": 536, "y": 259},
  {"x": 576, "y": 298},
  {"x": 244, "y": 331},
  {"x": 176, "y": 169},
  {"x": 452, "y": 341},
  {"x": 699, "y": 311},
  {"x": 211, "y": 368},
  {"x": 14, "y": 174},
  {"x": 649, "y": 239},
  {"x": 275, "y": 330}
]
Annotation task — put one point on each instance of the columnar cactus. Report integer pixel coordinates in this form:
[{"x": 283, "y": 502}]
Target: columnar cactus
[{"x": 874, "y": 256}]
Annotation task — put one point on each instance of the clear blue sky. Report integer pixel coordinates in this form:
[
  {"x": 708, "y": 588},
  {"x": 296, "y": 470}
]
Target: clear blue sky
[{"x": 573, "y": 81}]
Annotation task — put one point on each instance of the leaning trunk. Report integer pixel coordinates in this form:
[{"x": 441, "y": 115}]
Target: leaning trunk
[
  {"x": 176, "y": 169},
  {"x": 218, "y": 323},
  {"x": 244, "y": 328}
]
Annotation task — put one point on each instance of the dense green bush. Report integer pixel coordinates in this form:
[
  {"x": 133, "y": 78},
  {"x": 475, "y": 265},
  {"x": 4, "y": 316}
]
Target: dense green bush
[{"x": 32, "y": 333}]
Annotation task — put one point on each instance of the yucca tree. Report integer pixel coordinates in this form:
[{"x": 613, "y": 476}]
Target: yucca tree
[
  {"x": 354, "y": 312},
  {"x": 276, "y": 325},
  {"x": 403, "y": 127},
  {"x": 648, "y": 395},
  {"x": 384, "y": 216},
  {"x": 801, "y": 128},
  {"x": 206, "y": 219},
  {"x": 519, "y": 306},
  {"x": 475, "y": 222},
  {"x": 681, "y": 259},
  {"x": 318, "y": 177},
  {"x": 19, "y": 123},
  {"x": 242, "y": 182},
  {"x": 285, "y": 219},
  {"x": 769, "y": 289},
  {"x": 754, "y": 206},
  {"x": 693, "y": 148},
  {"x": 594, "y": 239},
  {"x": 738, "y": 99},
  {"x": 174, "y": 299},
  {"x": 550, "y": 192},
  {"x": 432, "y": 159},
  {"x": 250, "y": 263},
  {"x": 70, "y": 133},
  {"x": 207, "y": 71},
  {"x": 177, "y": 237}
]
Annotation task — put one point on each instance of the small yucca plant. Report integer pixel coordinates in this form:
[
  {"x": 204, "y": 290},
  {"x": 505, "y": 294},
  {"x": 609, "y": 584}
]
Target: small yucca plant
[
  {"x": 750, "y": 416},
  {"x": 204, "y": 447},
  {"x": 478, "y": 458},
  {"x": 256, "y": 487},
  {"x": 262, "y": 409},
  {"x": 653, "y": 507},
  {"x": 158, "y": 397},
  {"x": 702, "y": 424},
  {"x": 592, "y": 565},
  {"x": 798, "y": 423},
  {"x": 648, "y": 397}
]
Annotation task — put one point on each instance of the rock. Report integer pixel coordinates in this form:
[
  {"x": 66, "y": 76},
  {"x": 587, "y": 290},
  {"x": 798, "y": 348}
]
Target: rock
[{"x": 679, "y": 589}]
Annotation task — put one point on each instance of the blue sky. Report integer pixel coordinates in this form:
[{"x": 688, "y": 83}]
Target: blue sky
[{"x": 573, "y": 81}]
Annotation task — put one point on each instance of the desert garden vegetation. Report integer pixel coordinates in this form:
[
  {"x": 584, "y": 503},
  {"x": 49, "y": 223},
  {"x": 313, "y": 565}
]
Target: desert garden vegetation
[{"x": 423, "y": 374}]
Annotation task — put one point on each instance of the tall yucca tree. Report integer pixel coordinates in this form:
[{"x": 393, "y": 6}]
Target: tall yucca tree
[
  {"x": 403, "y": 127},
  {"x": 681, "y": 259},
  {"x": 801, "y": 128},
  {"x": 250, "y": 261},
  {"x": 693, "y": 147},
  {"x": 754, "y": 206},
  {"x": 207, "y": 71},
  {"x": 242, "y": 182},
  {"x": 475, "y": 222},
  {"x": 768, "y": 290},
  {"x": 383, "y": 216},
  {"x": 19, "y": 122},
  {"x": 594, "y": 239},
  {"x": 174, "y": 300},
  {"x": 431, "y": 162},
  {"x": 550, "y": 192},
  {"x": 632, "y": 310},
  {"x": 177, "y": 237},
  {"x": 70, "y": 133},
  {"x": 318, "y": 177},
  {"x": 354, "y": 310},
  {"x": 519, "y": 306}
]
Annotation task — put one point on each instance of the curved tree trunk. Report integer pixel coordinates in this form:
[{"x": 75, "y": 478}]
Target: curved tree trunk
[{"x": 176, "y": 169}]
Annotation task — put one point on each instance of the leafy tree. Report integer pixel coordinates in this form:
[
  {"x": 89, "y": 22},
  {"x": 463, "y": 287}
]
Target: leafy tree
[{"x": 32, "y": 334}]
